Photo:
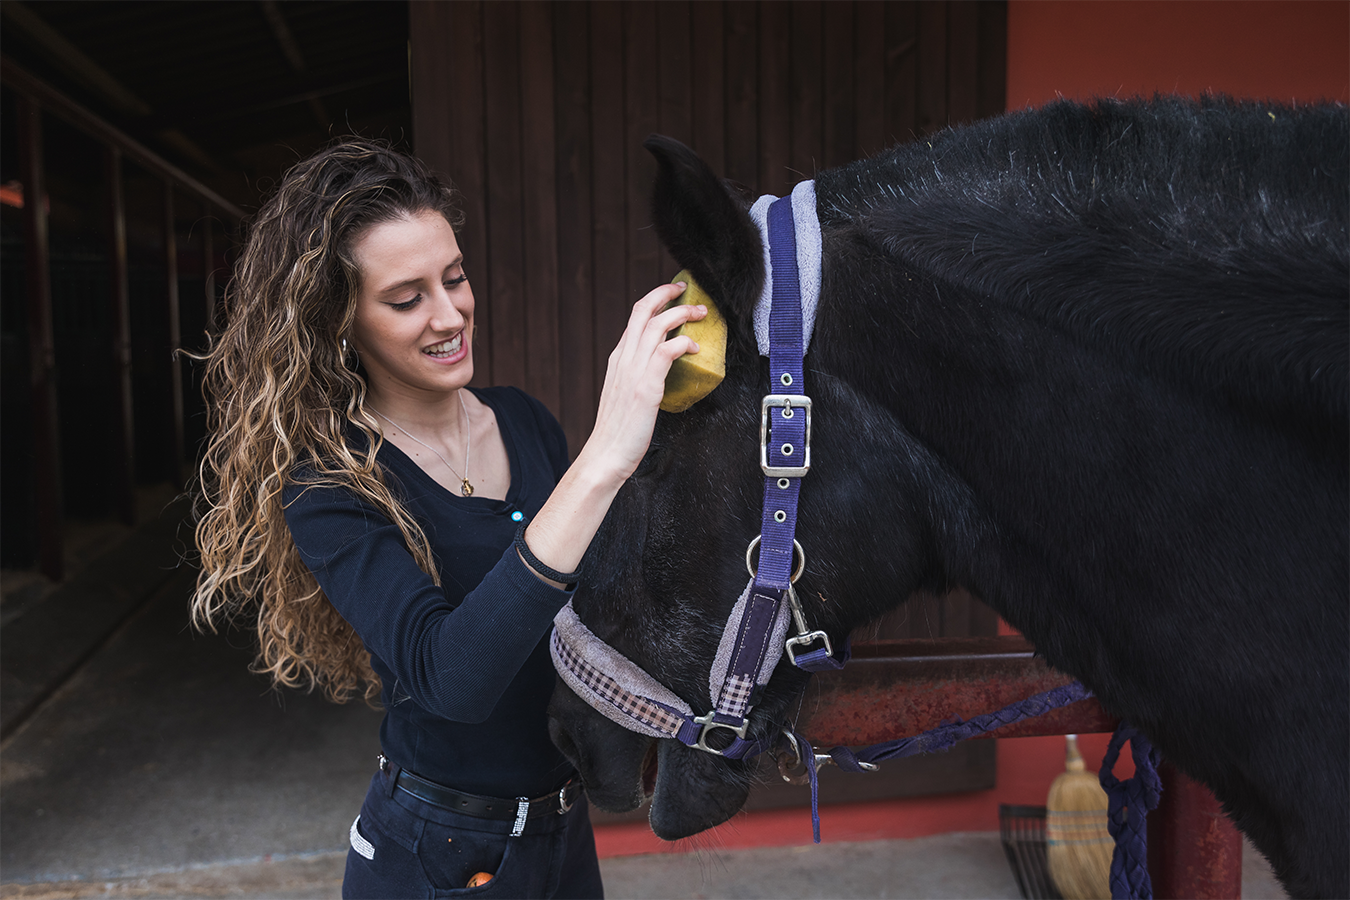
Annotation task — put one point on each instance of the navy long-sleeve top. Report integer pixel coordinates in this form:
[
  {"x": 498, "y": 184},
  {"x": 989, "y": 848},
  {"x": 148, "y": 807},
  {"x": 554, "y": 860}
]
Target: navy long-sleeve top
[{"x": 465, "y": 667}]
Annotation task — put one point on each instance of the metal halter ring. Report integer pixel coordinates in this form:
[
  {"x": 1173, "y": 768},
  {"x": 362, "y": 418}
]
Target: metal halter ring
[{"x": 797, "y": 549}]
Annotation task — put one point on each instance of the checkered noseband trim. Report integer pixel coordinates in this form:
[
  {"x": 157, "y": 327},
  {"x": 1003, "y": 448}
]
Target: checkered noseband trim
[
  {"x": 607, "y": 689},
  {"x": 735, "y": 698}
]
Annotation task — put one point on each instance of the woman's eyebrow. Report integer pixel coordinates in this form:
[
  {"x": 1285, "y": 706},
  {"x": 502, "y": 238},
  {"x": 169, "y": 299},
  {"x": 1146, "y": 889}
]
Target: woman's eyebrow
[
  {"x": 458, "y": 260},
  {"x": 397, "y": 287}
]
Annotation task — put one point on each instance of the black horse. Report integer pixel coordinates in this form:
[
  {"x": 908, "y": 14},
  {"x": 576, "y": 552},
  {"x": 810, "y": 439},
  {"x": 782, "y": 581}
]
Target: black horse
[{"x": 1089, "y": 363}]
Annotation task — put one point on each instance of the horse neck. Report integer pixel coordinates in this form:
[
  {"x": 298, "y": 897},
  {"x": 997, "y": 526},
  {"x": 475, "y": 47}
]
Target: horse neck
[{"x": 1088, "y": 472}]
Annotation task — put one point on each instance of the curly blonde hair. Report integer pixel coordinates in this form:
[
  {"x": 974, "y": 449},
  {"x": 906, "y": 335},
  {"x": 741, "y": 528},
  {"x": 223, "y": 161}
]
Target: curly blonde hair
[{"x": 282, "y": 395}]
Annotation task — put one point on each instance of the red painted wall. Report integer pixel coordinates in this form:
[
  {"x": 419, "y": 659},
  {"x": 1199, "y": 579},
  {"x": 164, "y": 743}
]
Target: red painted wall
[{"x": 1287, "y": 50}]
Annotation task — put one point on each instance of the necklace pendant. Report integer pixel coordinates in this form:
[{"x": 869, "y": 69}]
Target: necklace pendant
[{"x": 466, "y": 487}]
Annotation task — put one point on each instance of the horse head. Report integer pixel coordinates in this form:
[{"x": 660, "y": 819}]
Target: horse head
[{"x": 670, "y": 560}]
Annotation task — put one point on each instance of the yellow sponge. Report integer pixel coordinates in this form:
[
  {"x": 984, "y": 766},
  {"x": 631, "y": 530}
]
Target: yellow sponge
[{"x": 693, "y": 376}]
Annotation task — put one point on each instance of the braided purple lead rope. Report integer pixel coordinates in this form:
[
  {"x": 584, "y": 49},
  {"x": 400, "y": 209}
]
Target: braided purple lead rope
[
  {"x": 945, "y": 736},
  {"x": 935, "y": 739},
  {"x": 1129, "y": 803}
]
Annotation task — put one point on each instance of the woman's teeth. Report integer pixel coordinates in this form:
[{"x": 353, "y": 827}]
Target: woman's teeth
[{"x": 446, "y": 348}]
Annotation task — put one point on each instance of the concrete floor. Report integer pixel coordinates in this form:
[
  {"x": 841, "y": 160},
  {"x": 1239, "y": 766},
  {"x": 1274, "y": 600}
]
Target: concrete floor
[
  {"x": 163, "y": 752},
  {"x": 163, "y": 768}
]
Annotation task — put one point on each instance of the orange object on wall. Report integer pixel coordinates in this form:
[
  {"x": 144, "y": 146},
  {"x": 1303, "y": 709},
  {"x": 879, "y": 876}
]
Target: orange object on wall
[{"x": 1285, "y": 50}]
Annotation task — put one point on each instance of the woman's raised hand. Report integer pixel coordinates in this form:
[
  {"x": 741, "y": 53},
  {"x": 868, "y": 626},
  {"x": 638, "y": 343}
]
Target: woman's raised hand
[{"x": 635, "y": 379}]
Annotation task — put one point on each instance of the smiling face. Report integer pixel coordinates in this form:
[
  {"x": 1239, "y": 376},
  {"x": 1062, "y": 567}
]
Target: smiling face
[{"x": 414, "y": 310}]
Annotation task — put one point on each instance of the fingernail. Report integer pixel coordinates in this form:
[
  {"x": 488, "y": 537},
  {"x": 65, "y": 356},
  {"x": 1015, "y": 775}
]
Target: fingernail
[
  {"x": 695, "y": 343},
  {"x": 681, "y": 285},
  {"x": 702, "y": 308}
]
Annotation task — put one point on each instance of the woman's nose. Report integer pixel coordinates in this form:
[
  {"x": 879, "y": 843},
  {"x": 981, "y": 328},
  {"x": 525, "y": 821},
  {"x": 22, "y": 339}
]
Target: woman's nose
[{"x": 446, "y": 316}]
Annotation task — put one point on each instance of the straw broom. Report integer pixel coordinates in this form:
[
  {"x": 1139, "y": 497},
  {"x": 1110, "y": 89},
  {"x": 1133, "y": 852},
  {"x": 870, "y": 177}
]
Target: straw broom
[{"x": 1078, "y": 846}]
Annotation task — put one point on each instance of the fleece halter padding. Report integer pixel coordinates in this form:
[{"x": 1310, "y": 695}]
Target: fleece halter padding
[
  {"x": 807, "y": 227},
  {"x": 731, "y": 693},
  {"x": 612, "y": 684},
  {"x": 624, "y": 693}
]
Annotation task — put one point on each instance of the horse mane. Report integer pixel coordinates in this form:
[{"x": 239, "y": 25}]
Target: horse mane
[{"x": 1206, "y": 238}]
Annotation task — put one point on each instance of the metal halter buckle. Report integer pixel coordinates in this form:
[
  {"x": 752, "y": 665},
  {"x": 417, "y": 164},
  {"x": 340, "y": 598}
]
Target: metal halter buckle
[
  {"x": 563, "y": 803},
  {"x": 788, "y": 403},
  {"x": 708, "y": 724}
]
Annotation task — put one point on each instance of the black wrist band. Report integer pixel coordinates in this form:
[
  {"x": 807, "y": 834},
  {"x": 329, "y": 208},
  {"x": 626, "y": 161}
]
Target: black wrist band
[{"x": 539, "y": 568}]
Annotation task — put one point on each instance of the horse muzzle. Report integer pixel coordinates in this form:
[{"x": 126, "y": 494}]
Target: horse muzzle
[{"x": 613, "y": 762}]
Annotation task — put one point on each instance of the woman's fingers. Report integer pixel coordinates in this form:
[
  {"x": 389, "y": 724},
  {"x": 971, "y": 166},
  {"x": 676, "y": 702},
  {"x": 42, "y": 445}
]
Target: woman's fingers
[
  {"x": 652, "y": 303},
  {"x": 650, "y": 322},
  {"x": 676, "y": 316},
  {"x": 633, "y": 387}
]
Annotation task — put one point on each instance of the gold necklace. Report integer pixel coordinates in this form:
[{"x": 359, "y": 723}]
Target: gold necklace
[{"x": 465, "y": 487}]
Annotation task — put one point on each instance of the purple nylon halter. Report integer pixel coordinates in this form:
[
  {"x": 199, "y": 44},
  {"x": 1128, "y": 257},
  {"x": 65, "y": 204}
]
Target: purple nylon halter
[
  {"x": 785, "y": 457},
  {"x": 785, "y": 451},
  {"x": 785, "y": 438}
]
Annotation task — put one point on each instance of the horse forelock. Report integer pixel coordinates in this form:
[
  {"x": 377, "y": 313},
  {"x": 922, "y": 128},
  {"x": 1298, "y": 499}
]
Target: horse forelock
[{"x": 1211, "y": 238}]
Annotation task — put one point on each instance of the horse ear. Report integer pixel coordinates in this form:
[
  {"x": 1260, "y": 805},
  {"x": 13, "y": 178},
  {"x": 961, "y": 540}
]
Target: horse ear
[{"x": 708, "y": 231}]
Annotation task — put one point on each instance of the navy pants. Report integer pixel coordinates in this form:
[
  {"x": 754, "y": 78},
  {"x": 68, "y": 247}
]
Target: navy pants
[{"x": 403, "y": 847}]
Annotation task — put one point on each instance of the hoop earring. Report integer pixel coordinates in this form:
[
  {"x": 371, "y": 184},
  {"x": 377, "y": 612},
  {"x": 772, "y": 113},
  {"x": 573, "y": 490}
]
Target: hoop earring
[{"x": 350, "y": 350}]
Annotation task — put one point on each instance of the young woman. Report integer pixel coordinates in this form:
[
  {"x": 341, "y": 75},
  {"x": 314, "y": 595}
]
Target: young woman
[{"x": 398, "y": 533}]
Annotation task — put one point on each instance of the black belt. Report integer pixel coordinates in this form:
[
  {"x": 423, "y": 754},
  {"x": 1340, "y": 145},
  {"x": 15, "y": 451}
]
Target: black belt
[{"x": 558, "y": 802}]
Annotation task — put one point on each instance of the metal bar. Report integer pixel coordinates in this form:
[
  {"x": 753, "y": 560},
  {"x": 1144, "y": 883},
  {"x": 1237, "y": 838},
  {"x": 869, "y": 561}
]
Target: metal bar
[
  {"x": 1194, "y": 850},
  {"x": 175, "y": 335},
  {"x": 57, "y": 103},
  {"x": 209, "y": 268},
  {"x": 41, "y": 342},
  {"x": 899, "y": 688},
  {"x": 72, "y": 61},
  {"x": 123, "y": 458}
]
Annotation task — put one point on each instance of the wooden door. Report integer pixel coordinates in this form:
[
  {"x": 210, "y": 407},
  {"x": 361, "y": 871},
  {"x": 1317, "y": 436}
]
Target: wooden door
[{"x": 537, "y": 112}]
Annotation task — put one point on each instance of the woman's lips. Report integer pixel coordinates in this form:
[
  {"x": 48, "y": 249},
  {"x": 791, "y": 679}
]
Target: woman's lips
[{"x": 447, "y": 351}]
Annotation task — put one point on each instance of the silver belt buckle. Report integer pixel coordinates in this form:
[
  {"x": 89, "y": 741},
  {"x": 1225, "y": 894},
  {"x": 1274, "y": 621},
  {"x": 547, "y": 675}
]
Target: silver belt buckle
[{"x": 563, "y": 803}]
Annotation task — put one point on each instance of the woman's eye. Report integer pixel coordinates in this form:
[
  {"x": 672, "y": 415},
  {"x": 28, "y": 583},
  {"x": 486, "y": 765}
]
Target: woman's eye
[
  {"x": 456, "y": 282},
  {"x": 406, "y": 304}
]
